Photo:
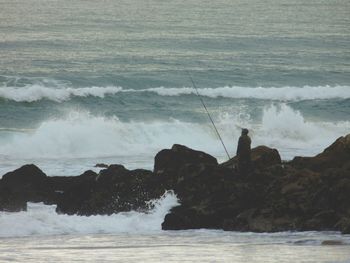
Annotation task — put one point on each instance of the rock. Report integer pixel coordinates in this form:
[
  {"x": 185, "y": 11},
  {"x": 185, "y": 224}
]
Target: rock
[
  {"x": 181, "y": 219},
  {"x": 240, "y": 222},
  {"x": 27, "y": 174},
  {"x": 115, "y": 189},
  {"x": 261, "y": 157},
  {"x": 261, "y": 224},
  {"x": 75, "y": 192},
  {"x": 26, "y": 184},
  {"x": 169, "y": 162},
  {"x": 10, "y": 201},
  {"x": 332, "y": 243},
  {"x": 114, "y": 171},
  {"x": 336, "y": 155},
  {"x": 209, "y": 195},
  {"x": 273, "y": 197},
  {"x": 101, "y": 165},
  {"x": 178, "y": 156},
  {"x": 305, "y": 194},
  {"x": 324, "y": 220},
  {"x": 191, "y": 218},
  {"x": 340, "y": 190},
  {"x": 343, "y": 225}
]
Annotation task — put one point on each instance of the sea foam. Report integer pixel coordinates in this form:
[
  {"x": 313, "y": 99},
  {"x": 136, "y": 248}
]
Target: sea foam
[
  {"x": 82, "y": 135},
  {"x": 37, "y": 92},
  {"x": 31, "y": 93},
  {"x": 263, "y": 93},
  {"x": 42, "y": 219}
]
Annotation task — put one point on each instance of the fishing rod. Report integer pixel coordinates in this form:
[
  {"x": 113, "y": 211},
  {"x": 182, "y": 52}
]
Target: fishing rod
[{"x": 205, "y": 107}]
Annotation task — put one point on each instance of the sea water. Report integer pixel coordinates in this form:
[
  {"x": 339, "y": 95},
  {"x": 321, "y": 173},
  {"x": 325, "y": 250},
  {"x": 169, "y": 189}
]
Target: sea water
[
  {"x": 86, "y": 82},
  {"x": 42, "y": 235}
]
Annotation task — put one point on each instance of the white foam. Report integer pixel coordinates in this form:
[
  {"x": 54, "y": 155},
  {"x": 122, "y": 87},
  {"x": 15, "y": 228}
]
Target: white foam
[
  {"x": 81, "y": 135},
  {"x": 287, "y": 130},
  {"x": 263, "y": 93},
  {"x": 31, "y": 93},
  {"x": 76, "y": 142},
  {"x": 42, "y": 219}
]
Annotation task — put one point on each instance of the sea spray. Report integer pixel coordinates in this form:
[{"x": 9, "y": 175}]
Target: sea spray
[
  {"x": 42, "y": 219},
  {"x": 82, "y": 135},
  {"x": 287, "y": 129}
]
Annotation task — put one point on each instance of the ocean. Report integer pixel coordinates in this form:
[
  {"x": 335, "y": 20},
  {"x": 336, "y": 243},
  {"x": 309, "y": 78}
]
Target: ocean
[{"x": 87, "y": 82}]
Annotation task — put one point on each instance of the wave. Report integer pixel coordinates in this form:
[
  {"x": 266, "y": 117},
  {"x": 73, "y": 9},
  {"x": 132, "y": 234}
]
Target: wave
[
  {"x": 287, "y": 130},
  {"x": 32, "y": 93},
  {"x": 81, "y": 135},
  {"x": 263, "y": 93},
  {"x": 15, "y": 130},
  {"x": 42, "y": 219}
]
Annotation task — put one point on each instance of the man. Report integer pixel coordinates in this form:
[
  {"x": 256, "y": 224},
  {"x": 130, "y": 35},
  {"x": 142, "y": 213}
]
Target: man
[{"x": 243, "y": 153}]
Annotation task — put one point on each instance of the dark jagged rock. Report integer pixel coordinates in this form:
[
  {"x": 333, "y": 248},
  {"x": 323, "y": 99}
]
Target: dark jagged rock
[
  {"x": 336, "y": 155},
  {"x": 169, "y": 162},
  {"x": 114, "y": 189},
  {"x": 27, "y": 174},
  {"x": 74, "y": 193},
  {"x": 26, "y": 184},
  {"x": 11, "y": 201},
  {"x": 344, "y": 225},
  {"x": 333, "y": 243},
  {"x": 101, "y": 165},
  {"x": 213, "y": 194},
  {"x": 178, "y": 156},
  {"x": 294, "y": 196},
  {"x": 183, "y": 218},
  {"x": 261, "y": 157},
  {"x": 304, "y": 194}
]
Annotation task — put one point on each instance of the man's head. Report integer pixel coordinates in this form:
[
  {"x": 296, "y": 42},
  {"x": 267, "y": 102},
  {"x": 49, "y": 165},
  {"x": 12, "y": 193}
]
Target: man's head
[{"x": 245, "y": 131}]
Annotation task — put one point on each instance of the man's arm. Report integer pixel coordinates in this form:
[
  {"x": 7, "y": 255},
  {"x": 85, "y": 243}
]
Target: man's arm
[{"x": 239, "y": 146}]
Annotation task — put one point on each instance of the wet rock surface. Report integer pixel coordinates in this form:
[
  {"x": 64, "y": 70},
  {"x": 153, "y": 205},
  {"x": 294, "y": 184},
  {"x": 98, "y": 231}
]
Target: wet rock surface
[{"x": 307, "y": 193}]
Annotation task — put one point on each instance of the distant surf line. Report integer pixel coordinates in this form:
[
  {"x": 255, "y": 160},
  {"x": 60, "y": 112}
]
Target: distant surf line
[{"x": 37, "y": 92}]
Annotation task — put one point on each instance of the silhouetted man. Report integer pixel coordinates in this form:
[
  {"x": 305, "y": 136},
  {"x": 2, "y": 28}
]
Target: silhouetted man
[{"x": 243, "y": 152}]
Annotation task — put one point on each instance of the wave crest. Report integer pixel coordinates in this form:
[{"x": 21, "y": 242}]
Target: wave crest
[
  {"x": 32, "y": 93},
  {"x": 263, "y": 93},
  {"x": 37, "y": 92},
  {"x": 81, "y": 135}
]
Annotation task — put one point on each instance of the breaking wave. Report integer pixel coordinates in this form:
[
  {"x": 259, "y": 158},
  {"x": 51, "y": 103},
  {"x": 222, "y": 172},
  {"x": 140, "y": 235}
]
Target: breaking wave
[
  {"x": 33, "y": 93},
  {"x": 37, "y": 92},
  {"x": 82, "y": 135},
  {"x": 263, "y": 93},
  {"x": 42, "y": 219}
]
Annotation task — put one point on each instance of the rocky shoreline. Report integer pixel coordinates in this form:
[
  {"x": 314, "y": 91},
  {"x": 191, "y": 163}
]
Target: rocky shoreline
[{"x": 307, "y": 193}]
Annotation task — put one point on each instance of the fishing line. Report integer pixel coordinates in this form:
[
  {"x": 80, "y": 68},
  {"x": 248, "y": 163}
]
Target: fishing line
[{"x": 205, "y": 107}]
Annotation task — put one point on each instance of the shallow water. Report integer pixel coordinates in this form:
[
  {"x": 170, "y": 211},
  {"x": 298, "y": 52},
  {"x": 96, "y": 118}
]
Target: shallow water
[
  {"x": 42, "y": 235},
  {"x": 182, "y": 246}
]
